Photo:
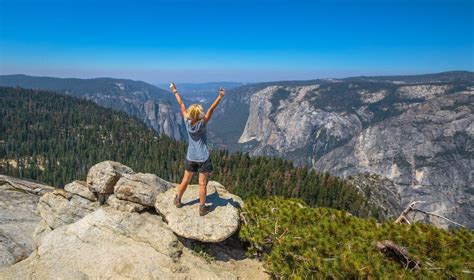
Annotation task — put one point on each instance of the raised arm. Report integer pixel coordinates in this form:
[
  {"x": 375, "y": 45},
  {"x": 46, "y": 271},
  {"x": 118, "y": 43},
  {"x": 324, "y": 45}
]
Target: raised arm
[
  {"x": 208, "y": 115},
  {"x": 178, "y": 98}
]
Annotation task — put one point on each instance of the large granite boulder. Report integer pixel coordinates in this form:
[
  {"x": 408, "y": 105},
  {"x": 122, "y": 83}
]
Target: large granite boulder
[
  {"x": 60, "y": 208},
  {"x": 103, "y": 176},
  {"x": 218, "y": 225},
  {"x": 141, "y": 188},
  {"x": 80, "y": 188}
]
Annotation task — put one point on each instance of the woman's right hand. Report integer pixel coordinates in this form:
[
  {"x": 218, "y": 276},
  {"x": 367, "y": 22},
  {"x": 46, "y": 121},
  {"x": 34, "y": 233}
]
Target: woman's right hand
[
  {"x": 221, "y": 92},
  {"x": 172, "y": 87}
]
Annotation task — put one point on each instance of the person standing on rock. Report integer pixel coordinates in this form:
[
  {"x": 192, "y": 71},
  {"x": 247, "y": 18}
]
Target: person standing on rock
[{"x": 198, "y": 157}]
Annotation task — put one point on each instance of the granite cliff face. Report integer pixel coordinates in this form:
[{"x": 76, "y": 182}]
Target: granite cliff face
[
  {"x": 154, "y": 106},
  {"x": 416, "y": 131},
  {"x": 428, "y": 152}
]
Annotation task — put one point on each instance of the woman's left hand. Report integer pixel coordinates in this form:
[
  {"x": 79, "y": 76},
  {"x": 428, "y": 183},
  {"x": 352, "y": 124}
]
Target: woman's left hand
[{"x": 221, "y": 92}]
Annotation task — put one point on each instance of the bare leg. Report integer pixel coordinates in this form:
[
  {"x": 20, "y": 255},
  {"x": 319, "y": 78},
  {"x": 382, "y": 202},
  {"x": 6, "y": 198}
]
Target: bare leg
[
  {"x": 184, "y": 183},
  {"x": 202, "y": 187}
]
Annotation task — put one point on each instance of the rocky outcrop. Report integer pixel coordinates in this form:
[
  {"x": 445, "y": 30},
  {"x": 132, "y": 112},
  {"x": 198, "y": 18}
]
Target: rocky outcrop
[
  {"x": 218, "y": 225},
  {"x": 103, "y": 176},
  {"x": 111, "y": 244},
  {"x": 78, "y": 238},
  {"x": 379, "y": 191}
]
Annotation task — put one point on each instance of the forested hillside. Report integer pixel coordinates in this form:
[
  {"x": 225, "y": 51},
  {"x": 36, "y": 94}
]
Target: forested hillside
[{"x": 56, "y": 138}]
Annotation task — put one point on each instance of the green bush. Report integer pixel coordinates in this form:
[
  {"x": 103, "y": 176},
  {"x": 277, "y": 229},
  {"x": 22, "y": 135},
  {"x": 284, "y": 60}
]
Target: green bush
[{"x": 300, "y": 242}]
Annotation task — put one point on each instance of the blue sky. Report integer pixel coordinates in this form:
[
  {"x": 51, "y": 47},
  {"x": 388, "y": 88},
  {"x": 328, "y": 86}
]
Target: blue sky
[{"x": 216, "y": 40}]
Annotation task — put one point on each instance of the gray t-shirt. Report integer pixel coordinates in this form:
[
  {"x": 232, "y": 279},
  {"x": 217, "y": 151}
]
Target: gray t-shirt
[{"x": 197, "y": 146}]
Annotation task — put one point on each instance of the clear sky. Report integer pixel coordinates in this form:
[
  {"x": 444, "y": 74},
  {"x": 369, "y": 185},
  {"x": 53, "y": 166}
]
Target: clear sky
[{"x": 240, "y": 40}]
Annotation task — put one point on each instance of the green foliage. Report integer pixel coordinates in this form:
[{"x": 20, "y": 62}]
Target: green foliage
[
  {"x": 301, "y": 242},
  {"x": 56, "y": 138}
]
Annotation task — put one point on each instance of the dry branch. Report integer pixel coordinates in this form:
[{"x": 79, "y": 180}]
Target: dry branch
[{"x": 411, "y": 208}]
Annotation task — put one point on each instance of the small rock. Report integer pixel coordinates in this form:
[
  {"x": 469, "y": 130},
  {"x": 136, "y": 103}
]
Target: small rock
[
  {"x": 103, "y": 176},
  {"x": 57, "y": 210},
  {"x": 141, "y": 188},
  {"x": 124, "y": 205},
  {"x": 218, "y": 225},
  {"x": 80, "y": 188}
]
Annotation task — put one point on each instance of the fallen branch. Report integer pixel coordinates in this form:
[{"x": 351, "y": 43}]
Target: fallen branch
[{"x": 399, "y": 254}]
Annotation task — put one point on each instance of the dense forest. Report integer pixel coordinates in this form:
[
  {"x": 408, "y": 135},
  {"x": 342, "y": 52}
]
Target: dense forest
[{"x": 55, "y": 139}]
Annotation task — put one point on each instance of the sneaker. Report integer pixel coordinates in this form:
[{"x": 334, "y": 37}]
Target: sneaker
[
  {"x": 204, "y": 209},
  {"x": 177, "y": 202}
]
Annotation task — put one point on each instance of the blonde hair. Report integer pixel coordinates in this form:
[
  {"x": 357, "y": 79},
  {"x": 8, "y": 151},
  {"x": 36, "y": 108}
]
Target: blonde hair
[{"x": 195, "y": 112}]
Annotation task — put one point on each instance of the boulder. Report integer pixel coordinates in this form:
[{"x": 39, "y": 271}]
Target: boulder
[
  {"x": 80, "y": 188},
  {"x": 103, "y": 176},
  {"x": 218, "y": 225},
  {"x": 124, "y": 205},
  {"x": 60, "y": 208},
  {"x": 141, "y": 188}
]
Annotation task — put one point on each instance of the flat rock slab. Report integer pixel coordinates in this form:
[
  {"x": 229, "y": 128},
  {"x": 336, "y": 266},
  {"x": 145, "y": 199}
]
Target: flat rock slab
[{"x": 218, "y": 225}]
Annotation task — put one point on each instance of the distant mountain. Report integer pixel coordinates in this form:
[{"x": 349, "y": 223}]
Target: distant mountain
[
  {"x": 202, "y": 92},
  {"x": 154, "y": 106},
  {"x": 413, "y": 130},
  {"x": 451, "y": 76}
]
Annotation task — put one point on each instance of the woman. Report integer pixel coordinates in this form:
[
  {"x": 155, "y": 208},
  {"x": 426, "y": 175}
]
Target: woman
[{"x": 198, "y": 157}]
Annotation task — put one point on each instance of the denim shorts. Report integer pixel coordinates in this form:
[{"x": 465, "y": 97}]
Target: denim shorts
[{"x": 202, "y": 167}]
